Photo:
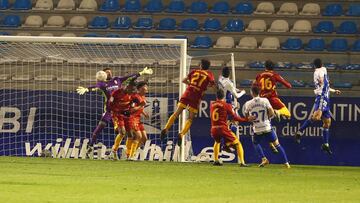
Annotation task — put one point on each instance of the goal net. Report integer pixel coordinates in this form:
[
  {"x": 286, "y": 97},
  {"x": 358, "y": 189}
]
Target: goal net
[{"x": 41, "y": 111}]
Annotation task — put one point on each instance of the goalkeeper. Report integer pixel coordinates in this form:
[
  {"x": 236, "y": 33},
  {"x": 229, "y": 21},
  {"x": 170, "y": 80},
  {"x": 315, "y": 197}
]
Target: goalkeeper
[{"x": 107, "y": 84}]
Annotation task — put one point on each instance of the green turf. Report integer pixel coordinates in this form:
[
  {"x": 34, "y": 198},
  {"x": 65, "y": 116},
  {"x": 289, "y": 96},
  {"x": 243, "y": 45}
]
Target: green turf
[{"x": 69, "y": 180}]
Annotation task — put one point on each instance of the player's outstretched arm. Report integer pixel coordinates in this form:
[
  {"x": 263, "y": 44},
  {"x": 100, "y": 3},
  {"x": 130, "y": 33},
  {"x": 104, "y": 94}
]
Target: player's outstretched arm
[
  {"x": 335, "y": 91},
  {"x": 283, "y": 81}
]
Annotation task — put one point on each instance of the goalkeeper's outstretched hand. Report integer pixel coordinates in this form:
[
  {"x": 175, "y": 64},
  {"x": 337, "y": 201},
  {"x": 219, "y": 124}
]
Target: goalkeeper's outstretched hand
[
  {"x": 82, "y": 90},
  {"x": 146, "y": 71}
]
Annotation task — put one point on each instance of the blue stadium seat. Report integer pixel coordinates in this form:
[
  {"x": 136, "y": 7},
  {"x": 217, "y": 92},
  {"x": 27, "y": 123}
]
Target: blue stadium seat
[
  {"x": 246, "y": 83},
  {"x": 324, "y": 27},
  {"x": 180, "y": 37},
  {"x": 234, "y": 25},
  {"x": 11, "y": 21},
  {"x": 202, "y": 41},
  {"x": 158, "y": 36},
  {"x": 176, "y": 6},
  {"x": 244, "y": 8},
  {"x": 330, "y": 66},
  {"x": 22, "y": 5},
  {"x": 356, "y": 45},
  {"x": 113, "y": 35},
  {"x": 167, "y": 24},
  {"x": 257, "y": 64},
  {"x": 297, "y": 83},
  {"x": 189, "y": 24},
  {"x": 198, "y": 7},
  {"x": 122, "y": 22},
  {"x": 221, "y": 7},
  {"x": 333, "y": 10},
  {"x": 350, "y": 67},
  {"x": 4, "y": 4},
  {"x": 91, "y": 35},
  {"x": 342, "y": 85},
  {"x": 110, "y": 6},
  {"x": 304, "y": 66},
  {"x": 315, "y": 45},
  {"x": 132, "y": 6},
  {"x": 292, "y": 44},
  {"x": 283, "y": 65},
  {"x": 347, "y": 27},
  {"x": 154, "y": 6},
  {"x": 354, "y": 10},
  {"x": 99, "y": 22},
  {"x": 135, "y": 36},
  {"x": 212, "y": 24},
  {"x": 4, "y": 33},
  {"x": 339, "y": 44},
  {"x": 144, "y": 24}
]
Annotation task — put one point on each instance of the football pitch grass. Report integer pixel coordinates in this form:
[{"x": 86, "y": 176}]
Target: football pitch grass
[{"x": 68, "y": 180}]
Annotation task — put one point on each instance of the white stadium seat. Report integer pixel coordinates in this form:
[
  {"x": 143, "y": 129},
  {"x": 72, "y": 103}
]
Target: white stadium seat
[
  {"x": 65, "y": 5},
  {"x": 22, "y": 77},
  {"x": 33, "y": 21},
  {"x": 68, "y": 34},
  {"x": 23, "y": 34},
  {"x": 279, "y": 26},
  {"x": 4, "y": 77},
  {"x": 123, "y": 61},
  {"x": 55, "y": 21},
  {"x": 225, "y": 42},
  {"x": 247, "y": 43},
  {"x": 43, "y": 5},
  {"x": 88, "y": 5},
  {"x": 303, "y": 26},
  {"x": 78, "y": 22},
  {"x": 158, "y": 80},
  {"x": 256, "y": 26},
  {"x": 288, "y": 9},
  {"x": 266, "y": 8},
  {"x": 238, "y": 64},
  {"x": 310, "y": 9},
  {"x": 44, "y": 78},
  {"x": 270, "y": 43},
  {"x": 46, "y": 34}
]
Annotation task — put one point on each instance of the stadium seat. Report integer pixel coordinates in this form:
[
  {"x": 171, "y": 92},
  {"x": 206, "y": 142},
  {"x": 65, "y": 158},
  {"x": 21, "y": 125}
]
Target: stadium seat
[
  {"x": 270, "y": 43},
  {"x": 99, "y": 22},
  {"x": 310, "y": 9},
  {"x": 356, "y": 46},
  {"x": 2, "y": 33},
  {"x": 350, "y": 67},
  {"x": 279, "y": 26},
  {"x": 283, "y": 65},
  {"x": 257, "y": 65},
  {"x": 113, "y": 35},
  {"x": 247, "y": 43},
  {"x": 88, "y": 5},
  {"x": 189, "y": 24},
  {"x": 244, "y": 8},
  {"x": 43, "y": 5},
  {"x": 288, "y": 9},
  {"x": 132, "y": 6},
  {"x": 246, "y": 83},
  {"x": 225, "y": 42},
  {"x": 158, "y": 36},
  {"x": 154, "y": 6},
  {"x": 22, "y": 5},
  {"x": 338, "y": 45},
  {"x": 176, "y": 6},
  {"x": 333, "y": 10},
  {"x": 33, "y": 21},
  {"x": 110, "y": 6},
  {"x": 11, "y": 21},
  {"x": 198, "y": 7},
  {"x": 354, "y": 10},
  {"x": 46, "y": 34},
  {"x": 4, "y": 4},
  {"x": 23, "y": 34},
  {"x": 302, "y": 26},
  {"x": 135, "y": 36},
  {"x": 122, "y": 22},
  {"x": 297, "y": 83},
  {"x": 68, "y": 34},
  {"x": 91, "y": 35},
  {"x": 44, "y": 78},
  {"x": 167, "y": 24},
  {"x": 324, "y": 27},
  {"x": 256, "y": 26},
  {"x": 65, "y": 5},
  {"x": 330, "y": 66},
  {"x": 347, "y": 27},
  {"x": 234, "y": 25},
  {"x": 315, "y": 45},
  {"x": 292, "y": 44},
  {"x": 180, "y": 37},
  {"x": 202, "y": 41},
  {"x": 212, "y": 24},
  {"x": 143, "y": 24},
  {"x": 342, "y": 85},
  {"x": 220, "y": 7},
  {"x": 55, "y": 21},
  {"x": 266, "y": 8},
  {"x": 78, "y": 22},
  {"x": 304, "y": 66}
]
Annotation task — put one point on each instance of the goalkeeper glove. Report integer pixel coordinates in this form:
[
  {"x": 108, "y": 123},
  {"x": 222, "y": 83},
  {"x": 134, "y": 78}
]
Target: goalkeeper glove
[
  {"x": 146, "y": 71},
  {"x": 82, "y": 90}
]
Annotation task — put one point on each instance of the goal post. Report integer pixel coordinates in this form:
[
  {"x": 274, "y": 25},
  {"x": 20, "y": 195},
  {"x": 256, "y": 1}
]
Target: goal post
[{"x": 40, "y": 109}]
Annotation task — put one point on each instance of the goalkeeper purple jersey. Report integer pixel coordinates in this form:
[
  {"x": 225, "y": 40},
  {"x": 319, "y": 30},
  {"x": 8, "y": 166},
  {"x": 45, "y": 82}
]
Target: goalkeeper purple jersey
[{"x": 108, "y": 87}]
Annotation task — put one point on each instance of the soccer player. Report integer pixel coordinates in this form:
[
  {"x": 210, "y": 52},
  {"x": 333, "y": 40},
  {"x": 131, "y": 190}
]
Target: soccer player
[
  {"x": 197, "y": 82},
  {"x": 107, "y": 86},
  {"x": 219, "y": 111},
  {"x": 267, "y": 81},
  {"x": 321, "y": 106},
  {"x": 263, "y": 112}
]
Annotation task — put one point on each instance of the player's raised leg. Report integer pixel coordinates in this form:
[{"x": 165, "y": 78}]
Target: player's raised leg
[{"x": 171, "y": 120}]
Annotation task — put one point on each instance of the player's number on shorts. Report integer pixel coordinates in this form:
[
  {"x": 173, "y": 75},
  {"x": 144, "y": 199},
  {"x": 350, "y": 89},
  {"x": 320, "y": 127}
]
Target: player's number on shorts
[
  {"x": 266, "y": 84},
  {"x": 198, "y": 79},
  {"x": 259, "y": 116},
  {"x": 215, "y": 115}
]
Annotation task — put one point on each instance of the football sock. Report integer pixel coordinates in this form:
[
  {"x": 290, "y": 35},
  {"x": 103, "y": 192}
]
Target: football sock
[
  {"x": 97, "y": 130},
  {"x": 259, "y": 150},
  {"x": 117, "y": 142},
  {"x": 326, "y": 136},
  {"x": 216, "y": 151},
  {"x": 305, "y": 125},
  {"x": 186, "y": 127},
  {"x": 133, "y": 149},
  {"x": 282, "y": 152},
  {"x": 128, "y": 146},
  {"x": 170, "y": 122},
  {"x": 285, "y": 112},
  {"x": 240, "y": 152}
]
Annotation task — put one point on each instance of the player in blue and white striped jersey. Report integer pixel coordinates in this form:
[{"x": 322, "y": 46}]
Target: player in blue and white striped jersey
[{"x": 321, "y": 106}]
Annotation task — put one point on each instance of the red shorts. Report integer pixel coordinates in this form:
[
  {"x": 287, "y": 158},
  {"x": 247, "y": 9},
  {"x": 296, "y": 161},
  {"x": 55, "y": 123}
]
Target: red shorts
[
  {"x": 276, "y": 103},
  {"x": 190, "y": 100},
  {"x": 118, "y": 120},
  {"x": 224, "y": 132}
]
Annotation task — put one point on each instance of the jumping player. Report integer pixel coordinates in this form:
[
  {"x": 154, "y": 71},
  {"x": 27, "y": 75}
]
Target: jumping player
[
  {"x": 321, "y": 106},
  {"x": 197, "y": 82}
]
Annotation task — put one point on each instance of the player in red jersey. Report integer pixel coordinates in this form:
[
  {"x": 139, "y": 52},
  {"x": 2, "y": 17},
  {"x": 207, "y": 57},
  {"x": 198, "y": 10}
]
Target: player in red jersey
[
  {"x": 197, "y": 82},
  {"x": 267, "y": 81},
  {"x": 219, "y": 111}
]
